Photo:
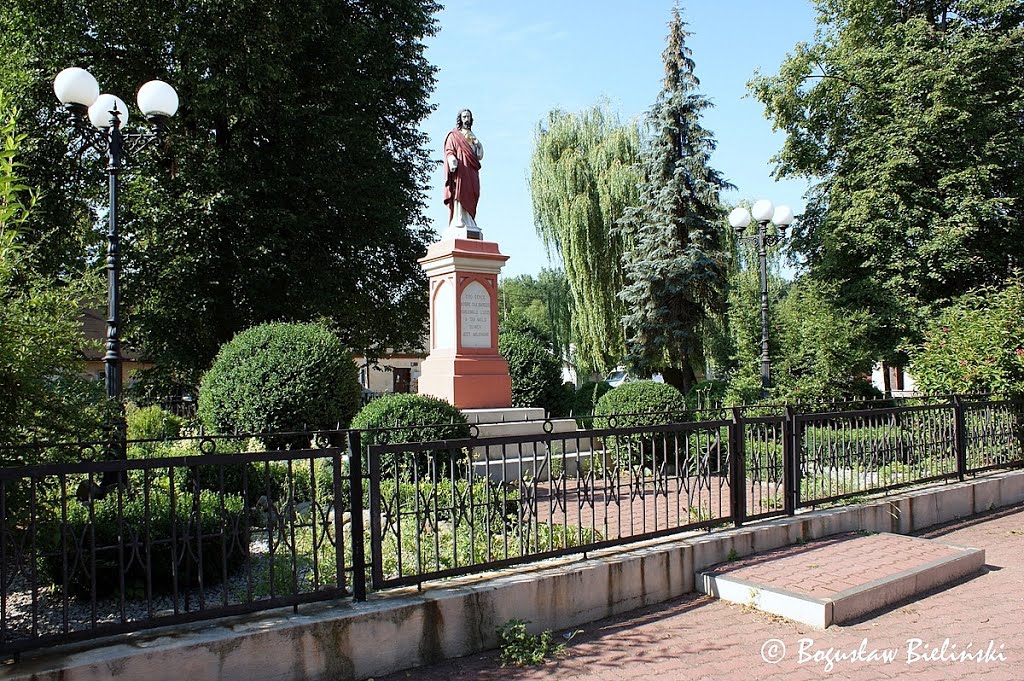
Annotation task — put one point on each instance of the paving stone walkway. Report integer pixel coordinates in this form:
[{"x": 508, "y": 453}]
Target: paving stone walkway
[{"x": 971, "y": 630}]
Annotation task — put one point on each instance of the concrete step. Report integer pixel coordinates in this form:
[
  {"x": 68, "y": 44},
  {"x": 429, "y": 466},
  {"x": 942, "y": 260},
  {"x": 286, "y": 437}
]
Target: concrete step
[
  {"x": 563, "y": 429},
  {"x": 517, "y": 428},
  {"x": 504, "y": 415},
  {"x": 533, "y": 467},
  {"x": 839, "y": 579},
  {"x": 515, "y": 461}
]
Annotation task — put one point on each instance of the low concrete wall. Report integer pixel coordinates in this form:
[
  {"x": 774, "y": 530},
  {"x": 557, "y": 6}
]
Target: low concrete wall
[{"x": 342, "y": 641}]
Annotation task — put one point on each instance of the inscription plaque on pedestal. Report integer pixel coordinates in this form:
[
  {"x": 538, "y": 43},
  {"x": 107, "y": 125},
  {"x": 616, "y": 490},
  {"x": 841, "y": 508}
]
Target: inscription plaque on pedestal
[{"x": 476, "y": 316}]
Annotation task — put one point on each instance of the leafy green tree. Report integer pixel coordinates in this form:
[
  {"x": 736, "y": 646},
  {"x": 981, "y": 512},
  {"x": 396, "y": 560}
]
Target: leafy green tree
[
  {"x": 535, "y": 370},
  {"x": 817, "y": 350},
  {"x": 975, "y": 345},
  {"x": 290, "y": 186},
  {"x": 543, "y": 300},
  {"x": 582, "y": 179},
  {"x": 40, "y": 334},
  {"x": 675, "y": 265},
  {"x": 822, "y": 350},
  {"x": 907, "y": 115}
]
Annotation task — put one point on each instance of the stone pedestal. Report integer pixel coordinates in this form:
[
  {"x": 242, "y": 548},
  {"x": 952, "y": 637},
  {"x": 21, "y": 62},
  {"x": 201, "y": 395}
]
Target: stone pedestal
[{"x": 464, "y": 366}]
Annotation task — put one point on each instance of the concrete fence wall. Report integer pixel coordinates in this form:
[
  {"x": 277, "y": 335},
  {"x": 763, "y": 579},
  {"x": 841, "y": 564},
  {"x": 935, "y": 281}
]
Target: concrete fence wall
[{"x": 354, "y": 641}]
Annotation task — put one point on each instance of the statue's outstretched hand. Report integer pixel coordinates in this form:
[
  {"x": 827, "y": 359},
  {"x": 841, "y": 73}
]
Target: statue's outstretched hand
[{"x": 453, "y": 163}]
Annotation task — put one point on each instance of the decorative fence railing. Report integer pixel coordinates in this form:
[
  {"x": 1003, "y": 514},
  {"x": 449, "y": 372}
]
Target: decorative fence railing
[
  {"x": 204, "y": 527},
  {"x": 95, "y": 548}
]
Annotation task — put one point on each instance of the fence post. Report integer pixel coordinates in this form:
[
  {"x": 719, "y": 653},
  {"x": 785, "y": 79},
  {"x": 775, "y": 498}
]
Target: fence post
[
  {"x": 737, "y": 468},
  {"x": 959, "y": 438},
  {"x": 355, "y": 486},
  {"x": 790, "y": 461},
  {"x": 376, "y": 531}
]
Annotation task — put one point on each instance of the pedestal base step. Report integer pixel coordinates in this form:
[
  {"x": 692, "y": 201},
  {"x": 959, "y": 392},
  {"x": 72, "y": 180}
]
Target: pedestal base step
[
  {"x": 504, "y": 414},
  {"x": 841, "y": 578},
  {"x": 512, "y": 461},
  {"x": 539, "y": 467}
]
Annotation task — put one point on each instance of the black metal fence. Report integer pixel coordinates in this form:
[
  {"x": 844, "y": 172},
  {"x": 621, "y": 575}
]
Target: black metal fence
[
  {"x": 204, "y": 527},
  {"x": 102, "y": 547}
]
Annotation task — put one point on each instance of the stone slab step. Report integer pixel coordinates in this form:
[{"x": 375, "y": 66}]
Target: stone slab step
[
  {"x": 516, "y": 428},
  {"x": 504, "y": 414},
  {"x": 513, "y": 468},
  {"x": 562, "y": 429},
  {"x": 839, "y": 579},
  {"x": 509, "y": 462}
]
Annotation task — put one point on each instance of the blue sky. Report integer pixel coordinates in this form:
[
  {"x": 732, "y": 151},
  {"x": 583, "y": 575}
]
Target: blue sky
[{"x": 513, "y": 61}]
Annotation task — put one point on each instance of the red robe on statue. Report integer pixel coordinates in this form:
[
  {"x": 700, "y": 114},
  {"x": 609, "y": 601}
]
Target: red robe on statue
[{"x": 462, "y": 184}]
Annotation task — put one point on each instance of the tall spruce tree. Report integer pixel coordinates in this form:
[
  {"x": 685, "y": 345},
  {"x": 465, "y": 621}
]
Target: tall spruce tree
[
  {"x": 909, "y": 117},
  {"x": 582, "y": 179},
  {"x": 676, "y": 264},
  {"x": 290, "y": 188}
]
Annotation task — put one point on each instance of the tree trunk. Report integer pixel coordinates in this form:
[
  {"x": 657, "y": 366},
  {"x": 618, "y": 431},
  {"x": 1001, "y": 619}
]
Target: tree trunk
[{"x": 681, "y": 378}]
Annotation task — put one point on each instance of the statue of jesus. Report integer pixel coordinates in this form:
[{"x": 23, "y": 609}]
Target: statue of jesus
[{"x": 462, "y": 155}]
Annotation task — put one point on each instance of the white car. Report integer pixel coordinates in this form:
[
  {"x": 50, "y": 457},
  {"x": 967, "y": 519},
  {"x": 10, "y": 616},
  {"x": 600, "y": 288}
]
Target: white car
[{"x": 620, "y": 375}]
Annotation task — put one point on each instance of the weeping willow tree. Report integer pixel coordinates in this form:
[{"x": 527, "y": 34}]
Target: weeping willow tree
[{"x": 583, "y": 176}]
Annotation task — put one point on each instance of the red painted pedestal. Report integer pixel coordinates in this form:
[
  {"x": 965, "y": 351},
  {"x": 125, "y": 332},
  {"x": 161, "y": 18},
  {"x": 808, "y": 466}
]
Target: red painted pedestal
[{"x": 464, "y": 366}]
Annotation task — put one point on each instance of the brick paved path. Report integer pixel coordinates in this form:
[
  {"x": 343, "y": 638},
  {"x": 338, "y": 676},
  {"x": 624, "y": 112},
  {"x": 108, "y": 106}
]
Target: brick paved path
[
  {"x": 621, "y": 509},
  {"x": 699, "y": 638}
]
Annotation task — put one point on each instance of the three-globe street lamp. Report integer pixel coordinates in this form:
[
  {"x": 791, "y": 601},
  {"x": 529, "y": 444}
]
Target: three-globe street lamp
[
  {"x": 78, "y": 91},
  {"x": 763, "y": 214}
]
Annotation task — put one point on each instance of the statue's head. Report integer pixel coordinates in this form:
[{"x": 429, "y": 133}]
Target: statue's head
[{"x": 464, "y": 119}]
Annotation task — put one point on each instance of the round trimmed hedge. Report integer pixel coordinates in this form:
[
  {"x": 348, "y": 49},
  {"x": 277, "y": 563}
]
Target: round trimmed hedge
[
  {"x": 636, "y": 405},
  {"x": 399, "y": 417},
  {"x": 640, "y": 403},
  {"x": 280, "y": 377}
]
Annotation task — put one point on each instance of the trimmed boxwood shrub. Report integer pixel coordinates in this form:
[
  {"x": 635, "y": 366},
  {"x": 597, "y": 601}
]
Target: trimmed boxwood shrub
[
  {"x": 640, "y": 403},
  {"x": 410, "y": 418},
  {"x": 634, "y": 405},
  {"x": 536, "y": 373},
  {"x": 223, "y": 526},
  {"x": 280, "y": 377}
]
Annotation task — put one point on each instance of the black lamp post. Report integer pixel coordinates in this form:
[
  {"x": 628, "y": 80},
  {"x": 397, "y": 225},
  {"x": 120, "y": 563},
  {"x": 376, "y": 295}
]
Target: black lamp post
[
  {"x": 80, "y": 94},
  {"x": 763, "y": 213}
]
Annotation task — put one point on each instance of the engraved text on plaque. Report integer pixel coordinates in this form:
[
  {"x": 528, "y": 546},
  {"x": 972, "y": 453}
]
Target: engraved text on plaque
[{"x": 476, "y": 316}]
